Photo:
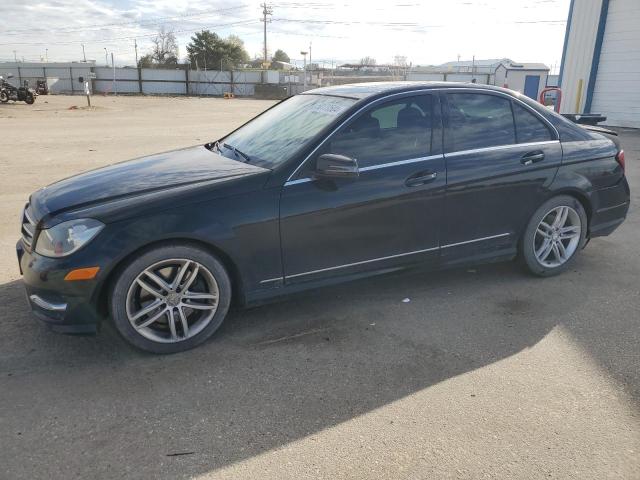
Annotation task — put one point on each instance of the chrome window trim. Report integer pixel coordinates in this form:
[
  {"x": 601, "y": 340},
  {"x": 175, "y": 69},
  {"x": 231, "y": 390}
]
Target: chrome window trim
[
  {"x": 423, "y": 91},
  {"x": 434, "y": 157},
  {"x": 401, "y": 162},
  {"x": 386, "y": 258},
  {"x": 499, "y": 147},
  {"x": 375, "y": 167}
]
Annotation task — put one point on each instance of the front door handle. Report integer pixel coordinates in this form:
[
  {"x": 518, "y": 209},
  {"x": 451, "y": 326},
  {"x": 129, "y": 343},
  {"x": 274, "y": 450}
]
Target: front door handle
[
  {"x": 420, "y": 179},
  {"x": 532, "y": 157}
]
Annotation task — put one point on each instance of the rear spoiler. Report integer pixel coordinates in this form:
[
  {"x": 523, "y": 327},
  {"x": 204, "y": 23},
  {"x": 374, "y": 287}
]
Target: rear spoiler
[
  {"x": 594, "y": 128},
  {"x": 585, "y": 118},
  {"x": 589, "y": 121}
]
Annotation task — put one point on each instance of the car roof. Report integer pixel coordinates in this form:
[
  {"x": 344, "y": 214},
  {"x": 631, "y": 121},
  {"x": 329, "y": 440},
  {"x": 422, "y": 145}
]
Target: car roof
[{"x": 361, "y": 91}]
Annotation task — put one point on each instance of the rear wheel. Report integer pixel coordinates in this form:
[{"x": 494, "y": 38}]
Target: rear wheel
[
  {"x": 4, "y": 97},
  {"x": 30, "y": 99},
  {"x": 170, "y": 299},
  {"x": 554, "y": 236}
]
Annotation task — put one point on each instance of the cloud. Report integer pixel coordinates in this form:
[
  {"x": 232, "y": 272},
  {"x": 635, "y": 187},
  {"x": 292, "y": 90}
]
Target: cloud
[{"x": 427, "y": 32}]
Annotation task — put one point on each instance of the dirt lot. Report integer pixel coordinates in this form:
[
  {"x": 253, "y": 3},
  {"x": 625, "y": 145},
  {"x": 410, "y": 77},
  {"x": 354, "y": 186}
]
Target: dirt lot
[{"x": 485, "y": 373}]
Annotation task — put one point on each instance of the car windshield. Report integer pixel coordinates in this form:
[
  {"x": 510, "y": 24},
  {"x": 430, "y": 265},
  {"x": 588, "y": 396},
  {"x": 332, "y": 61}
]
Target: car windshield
[{"x": 277, "y": 134}]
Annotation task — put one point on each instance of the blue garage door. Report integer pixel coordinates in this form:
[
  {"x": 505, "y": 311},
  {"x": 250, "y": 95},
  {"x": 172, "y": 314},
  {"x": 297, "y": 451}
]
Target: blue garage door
[{"x": 531, "y": 85}]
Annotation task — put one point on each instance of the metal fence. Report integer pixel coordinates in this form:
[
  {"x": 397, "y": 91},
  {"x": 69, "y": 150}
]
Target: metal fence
[
  {"x": 155, "y": 81},
  {"x": 61, "y": 77},
  {"x": 64, "y": 78},
  {"x": 485, "y": 78}
]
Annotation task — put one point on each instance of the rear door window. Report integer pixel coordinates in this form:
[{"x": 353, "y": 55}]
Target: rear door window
[
  {"x": 479, "y": 120},
  {"x": 529, "y": 128}
]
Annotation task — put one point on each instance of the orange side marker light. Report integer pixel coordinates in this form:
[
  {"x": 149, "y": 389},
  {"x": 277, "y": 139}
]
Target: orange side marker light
[{"x": 82, "y": 274}]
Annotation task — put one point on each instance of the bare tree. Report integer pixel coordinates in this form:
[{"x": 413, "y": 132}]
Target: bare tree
[
  {"x": 367, "y": 61},
  {"x": 400, "y": 61},
  {"x": 165, "y": 48}
]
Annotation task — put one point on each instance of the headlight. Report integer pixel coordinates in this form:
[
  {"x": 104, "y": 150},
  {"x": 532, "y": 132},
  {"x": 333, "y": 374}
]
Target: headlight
[{"x": 67, "y": 237}]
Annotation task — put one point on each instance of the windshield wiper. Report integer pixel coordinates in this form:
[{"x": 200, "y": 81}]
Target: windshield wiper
[{"x": 237, "y": 152}]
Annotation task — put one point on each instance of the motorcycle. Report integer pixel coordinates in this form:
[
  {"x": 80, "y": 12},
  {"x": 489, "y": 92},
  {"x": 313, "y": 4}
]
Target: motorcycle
[{"x": 17, "y": 94}]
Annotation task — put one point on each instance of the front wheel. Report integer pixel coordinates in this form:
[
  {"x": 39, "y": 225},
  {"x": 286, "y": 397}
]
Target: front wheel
[
  {"x": 170, "y": 299},
  {"x": 4, "y": 97},
  {"x": 554, "y": 236}
]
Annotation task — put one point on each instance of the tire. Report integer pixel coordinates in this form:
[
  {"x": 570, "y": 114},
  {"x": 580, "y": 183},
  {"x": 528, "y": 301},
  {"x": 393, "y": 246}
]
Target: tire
[
  {"x": 545, "y": 228},
  {"x": 184, "y": 297},
  {"x": 30, "y": 99},
  {"x": 4, "y": 98}
]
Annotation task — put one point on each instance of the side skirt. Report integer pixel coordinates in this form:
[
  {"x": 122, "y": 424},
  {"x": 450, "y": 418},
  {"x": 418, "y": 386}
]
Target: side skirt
[{"x": 263, "y": 297}]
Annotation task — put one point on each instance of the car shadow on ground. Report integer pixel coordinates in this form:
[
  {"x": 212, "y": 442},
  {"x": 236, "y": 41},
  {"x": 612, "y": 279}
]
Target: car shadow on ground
[{"x": 279, "y": 372}]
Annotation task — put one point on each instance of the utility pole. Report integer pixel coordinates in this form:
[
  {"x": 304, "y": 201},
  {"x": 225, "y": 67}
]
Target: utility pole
[
  {"x": 15, "y": 56},
  {"x": 84, "y": 55},
  {"x": 304, "y": 70},
  {"x": 106, "y": 57},
  {"x": 46, "y": 55},
  {"x": 266, "y": 10},
  {"x": 113, "y": 64},
  {"x": 310, "y": 53},
  {"x": 135, "y": 45}
]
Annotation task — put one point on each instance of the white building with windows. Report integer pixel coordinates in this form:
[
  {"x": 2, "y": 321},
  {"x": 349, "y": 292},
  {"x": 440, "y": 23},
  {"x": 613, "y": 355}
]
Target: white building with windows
[{"x": 600, "y": 70}]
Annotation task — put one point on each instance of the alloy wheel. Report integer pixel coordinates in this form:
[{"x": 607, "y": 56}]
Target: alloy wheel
[
  {"x": 557, "y": 236},
  {"x": 172, "y": 300}
]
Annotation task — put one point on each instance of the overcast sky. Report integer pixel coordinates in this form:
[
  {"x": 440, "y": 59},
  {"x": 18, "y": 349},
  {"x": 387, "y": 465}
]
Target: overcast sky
[{"x": 426, "y": 32}]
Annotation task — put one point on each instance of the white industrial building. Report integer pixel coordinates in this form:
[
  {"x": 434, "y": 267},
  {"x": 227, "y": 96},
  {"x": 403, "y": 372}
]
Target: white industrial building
[
  {"x": 527, "y": 78},
  {"x": 600, "y": 70}
]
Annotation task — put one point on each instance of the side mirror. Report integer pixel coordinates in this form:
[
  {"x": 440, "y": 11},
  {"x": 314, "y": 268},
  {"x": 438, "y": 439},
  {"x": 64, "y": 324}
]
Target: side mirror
[
  {"x": 10, "y": 75},
  {"x": 331, "y": 165}
]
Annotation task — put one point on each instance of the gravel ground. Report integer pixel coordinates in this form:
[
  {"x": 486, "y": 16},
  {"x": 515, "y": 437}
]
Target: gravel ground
[{"x": 484, "y": 373}]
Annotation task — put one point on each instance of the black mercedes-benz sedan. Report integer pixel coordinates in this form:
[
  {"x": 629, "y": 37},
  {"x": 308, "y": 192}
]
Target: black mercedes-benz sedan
[{"x": 330, "y": 185}]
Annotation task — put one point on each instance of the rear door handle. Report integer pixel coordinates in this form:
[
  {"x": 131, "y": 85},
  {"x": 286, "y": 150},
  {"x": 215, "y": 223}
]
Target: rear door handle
[
  {"x": 420, "y": 179},
  {"x": 532, "y": 157}
]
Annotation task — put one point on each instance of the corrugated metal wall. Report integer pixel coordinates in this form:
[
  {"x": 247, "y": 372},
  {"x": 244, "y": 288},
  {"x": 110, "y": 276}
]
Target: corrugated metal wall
[
  {"x": 61, "y": 77},
  {"x": 450, "y": 77},
  {"x": 579, "y": 54},
  {"x": 155, "y": 81},
  {"x": 617, "y": 88}
]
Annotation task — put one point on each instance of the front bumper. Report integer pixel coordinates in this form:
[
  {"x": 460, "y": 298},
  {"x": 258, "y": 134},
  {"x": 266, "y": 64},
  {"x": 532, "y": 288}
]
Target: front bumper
[{"x": 66, "y": 307}]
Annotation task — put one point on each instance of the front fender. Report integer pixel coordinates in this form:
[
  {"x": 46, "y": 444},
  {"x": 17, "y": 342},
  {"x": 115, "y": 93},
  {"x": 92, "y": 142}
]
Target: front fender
[{"x": 243, "y": 229}]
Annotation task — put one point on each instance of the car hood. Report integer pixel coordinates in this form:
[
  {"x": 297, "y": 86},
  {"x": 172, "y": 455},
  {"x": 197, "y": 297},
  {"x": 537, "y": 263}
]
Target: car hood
[{"x": 178, "y": 169}]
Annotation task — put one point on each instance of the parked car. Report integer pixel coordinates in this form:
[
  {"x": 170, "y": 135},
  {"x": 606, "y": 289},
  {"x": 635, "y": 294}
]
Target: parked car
[{"x": 333, "y": 184}]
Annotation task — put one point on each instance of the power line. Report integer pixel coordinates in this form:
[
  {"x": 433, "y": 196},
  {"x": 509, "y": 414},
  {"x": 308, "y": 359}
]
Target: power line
[
  {"x": 354, "y": 22},
  {"x": 131, "y": 37},
  {"x": 139, "y": 23}
]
